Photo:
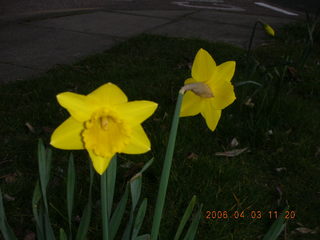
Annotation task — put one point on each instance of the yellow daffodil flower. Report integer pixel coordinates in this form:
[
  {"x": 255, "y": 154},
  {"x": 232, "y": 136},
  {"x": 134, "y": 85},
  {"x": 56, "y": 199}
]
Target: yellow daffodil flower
[
  {"x": 104, "y": 123},
  {"x": 269, "y": 30},
  {"x": 211, "y": 89}
]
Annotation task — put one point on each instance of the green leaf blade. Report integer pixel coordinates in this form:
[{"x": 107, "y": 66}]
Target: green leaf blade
[
  {"x": 111, "y": 180},
  {"x": 139, "y": 218},
  {"x": 70, "y": 191},
  {"x": 185, "y": 217},
  {"x": 118, "y": 213},
  {"x": 277, "y": 227}
]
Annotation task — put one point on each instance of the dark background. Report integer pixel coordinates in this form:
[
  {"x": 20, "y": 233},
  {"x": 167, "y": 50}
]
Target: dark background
[{"x": 309, "y": 5}]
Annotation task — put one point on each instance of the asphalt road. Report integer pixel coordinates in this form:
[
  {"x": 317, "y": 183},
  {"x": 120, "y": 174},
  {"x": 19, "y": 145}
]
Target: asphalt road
[
  {"x": 54, "y": 34},
  {"x": 16, "y": 7}
]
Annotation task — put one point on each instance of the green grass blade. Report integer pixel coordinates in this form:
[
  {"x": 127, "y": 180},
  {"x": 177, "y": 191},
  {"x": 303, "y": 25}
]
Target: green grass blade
[
  {"x": 166, "y": 171},
  {"x": 86, "y": 216},
  {"x": 143, "y": 237},
  {"x": 111, "y": 181},
  {"x": 70, "y": 191},
  {"x": 44, "y": 161},
  {"x": 42, "y": 171},
  {"x": 135, "y": 186},
  {"x": 118, "y": 214},
  {"x": 91, "y": 179},
  {"x": 59, "y": 212},
  {"x": 85, "y": 222},
  {"x": 277, "y": 227},
  {"x": 48, "y": 165},
  {"x": 139, "y": 219},
  {"x": 48, "y": 229},
  {"x": 42, "y": 222},
  {"x": 35, "y": 202},
  {"x": 185, "y": 217},
  {"x": 63, "y": 235},
  {"x": 191, "y": 233},
  {"x": 238, "y": 84},
  {"x": 4, "y": 226},
  {"x": 146, "y": 166}
]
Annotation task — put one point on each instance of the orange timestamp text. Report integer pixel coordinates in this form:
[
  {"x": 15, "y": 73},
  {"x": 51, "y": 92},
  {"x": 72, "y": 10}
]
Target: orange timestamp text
[{"x": 248, "y": 214}]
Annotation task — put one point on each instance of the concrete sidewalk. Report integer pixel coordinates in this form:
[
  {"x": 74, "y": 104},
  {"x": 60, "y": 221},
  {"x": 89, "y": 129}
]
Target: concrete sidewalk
[{"x": 31, "y": 46}]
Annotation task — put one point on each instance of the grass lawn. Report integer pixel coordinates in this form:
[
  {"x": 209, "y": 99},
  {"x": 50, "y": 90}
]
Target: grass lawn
[{"x": 279, "y": 126}]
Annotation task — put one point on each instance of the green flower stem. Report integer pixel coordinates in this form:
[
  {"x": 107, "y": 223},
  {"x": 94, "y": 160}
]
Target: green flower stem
[
  {"x": 104, "y": 206},
  {"x": 251, "y": 39},
  {"x": 166, "y": 171}
]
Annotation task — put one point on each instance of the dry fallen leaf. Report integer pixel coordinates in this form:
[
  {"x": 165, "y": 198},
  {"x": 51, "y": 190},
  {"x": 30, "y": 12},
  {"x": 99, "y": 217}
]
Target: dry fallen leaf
[
  {"x": 30, "y": 127},
  {"x": 249, "y": 103},
  {"x": 47, "y": 129},
  {"x": 281, "y": 169},
  {"x": 305, "y": 230},
  {"x": 165, "y": 115},
  {"x": 234, "y": 142},
  {"x": 293, "y": 73},
  {"x": 77, "y": 219},
  {"x": 280, "y": 195},
  {"x": 8, "y": 197},
  {"x": 11, "y": 178},
  {"x": 289, "y": 131},
  {"x": 187, "y": 63},
  {"x": 193, "y": 156},
  {"x": 232, "y": 153},
  {"x": 127, "y": 164},
  {"x": 30, "y": 236}
]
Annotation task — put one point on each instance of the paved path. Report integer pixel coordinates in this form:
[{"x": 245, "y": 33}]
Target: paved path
[{"x": 31, "y": 43}]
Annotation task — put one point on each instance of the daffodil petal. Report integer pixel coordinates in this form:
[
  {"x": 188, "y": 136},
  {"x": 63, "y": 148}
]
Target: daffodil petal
[
  {"x": 223, "y": 94},
  {"x": 76, "y": 104},
  {"x": 108, "y": 94},
  {"x": 139, "y": 142},
  {"x": 191, "y": 104},
  {"x": 68, "y": 135},
  {"x": 224, "y": 72},
  {"x": 136, "y": 111},
  {"x": 100, "y": 164},
  {"x": 203, "y": 66},
  {"x": 210, "y": 114},
  {"x": 189, "y": 81}
]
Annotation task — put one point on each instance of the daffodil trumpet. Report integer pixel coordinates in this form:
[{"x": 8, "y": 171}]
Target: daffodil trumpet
[{"x": 199, "y": 89}]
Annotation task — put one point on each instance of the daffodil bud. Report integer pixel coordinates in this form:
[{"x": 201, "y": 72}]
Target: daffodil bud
[
  {"x": 199, "y": 88},
  {"x": 269, "y": 30}
]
